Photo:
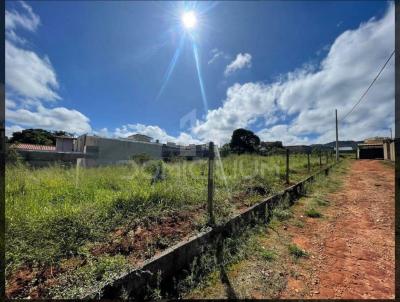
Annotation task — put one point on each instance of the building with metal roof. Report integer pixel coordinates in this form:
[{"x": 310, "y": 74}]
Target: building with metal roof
[{"x": 376, "y": 148}]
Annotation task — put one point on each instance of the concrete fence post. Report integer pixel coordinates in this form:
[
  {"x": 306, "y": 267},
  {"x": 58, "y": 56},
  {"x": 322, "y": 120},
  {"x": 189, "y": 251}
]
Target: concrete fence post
[
  {"x": 287, "y": 166},
  {"x": 210, "y": 205}
]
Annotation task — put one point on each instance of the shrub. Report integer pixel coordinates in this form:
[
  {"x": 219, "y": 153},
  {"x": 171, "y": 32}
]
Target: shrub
[
  {"x": 141, "y": 158},
  {"x": 156, "y": 169},
  {"x": 321, "y": 202},
  {"x": 282, "y": 214},
  {"x": 268, "y": 255},
  {"x": 313, "y": 213},
  {"x": 12, "y": 156},
  {"x": 296, "y": 251}
]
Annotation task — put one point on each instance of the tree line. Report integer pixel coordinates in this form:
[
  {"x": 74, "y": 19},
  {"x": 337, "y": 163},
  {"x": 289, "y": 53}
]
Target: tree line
[
  {"x": 36, "y": 137},
  {"x": 245, "y": 141}
]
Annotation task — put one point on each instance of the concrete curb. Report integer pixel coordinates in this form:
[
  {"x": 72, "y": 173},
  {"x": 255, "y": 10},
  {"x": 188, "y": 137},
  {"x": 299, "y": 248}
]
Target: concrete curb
[{"x": 176, "y": 259}]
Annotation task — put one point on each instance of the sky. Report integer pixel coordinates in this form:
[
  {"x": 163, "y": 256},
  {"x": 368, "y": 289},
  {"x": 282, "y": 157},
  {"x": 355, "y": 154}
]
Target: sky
[{"x": 279, "y": 69}]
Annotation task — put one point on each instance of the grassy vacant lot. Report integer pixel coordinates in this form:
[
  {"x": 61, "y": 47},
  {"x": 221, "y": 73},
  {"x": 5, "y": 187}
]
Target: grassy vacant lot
[{"x": 73, "y": 228}]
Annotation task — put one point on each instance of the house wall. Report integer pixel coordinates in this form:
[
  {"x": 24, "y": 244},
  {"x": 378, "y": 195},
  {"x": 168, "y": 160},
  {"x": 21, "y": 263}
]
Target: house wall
[
  {"x": 64, "y": 144},
  {"x": 392, "y": 153},
  {"x": 140, "y": 138},
  {"x": 102, "y": 151},
  {"x": 386, "y": 150},
  {"x": 45, "y": 158}
]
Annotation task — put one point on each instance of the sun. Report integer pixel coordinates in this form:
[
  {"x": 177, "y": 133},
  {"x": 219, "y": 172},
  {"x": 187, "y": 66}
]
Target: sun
[{"x": 189, "y": 19}]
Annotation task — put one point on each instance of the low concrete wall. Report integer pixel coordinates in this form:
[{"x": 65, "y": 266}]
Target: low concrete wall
[
  {"x": 45, "y": 158},
  {"x": 178, "y": 258}
]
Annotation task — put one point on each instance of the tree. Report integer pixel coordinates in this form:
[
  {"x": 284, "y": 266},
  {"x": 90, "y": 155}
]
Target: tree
[
  {"x": 37, "y": 137},
  {"x": 225, "y": 150},
  {"x": 62, "y": 133},
  {"x": 244, "y": 141}
]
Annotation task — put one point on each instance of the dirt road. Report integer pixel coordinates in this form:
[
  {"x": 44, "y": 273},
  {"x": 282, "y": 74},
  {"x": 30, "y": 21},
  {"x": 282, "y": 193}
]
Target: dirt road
[
  {"x": 348, "y": 248},
  {"x": 353, "y": 249}
]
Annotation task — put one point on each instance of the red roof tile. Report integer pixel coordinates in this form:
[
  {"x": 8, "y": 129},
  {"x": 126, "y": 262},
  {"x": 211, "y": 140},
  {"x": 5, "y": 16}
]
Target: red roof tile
[{"x": 31, "y": 147}]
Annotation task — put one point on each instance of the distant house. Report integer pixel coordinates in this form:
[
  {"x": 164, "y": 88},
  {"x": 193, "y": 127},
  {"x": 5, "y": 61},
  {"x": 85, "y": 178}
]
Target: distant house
[
  {"x": 92, "y": 150},
  {"x": 191, "y": 151},
  {"x": 140, "y": 138},
  {"x": 65, "y": 143},
  {"x": 43, "y": 155}
]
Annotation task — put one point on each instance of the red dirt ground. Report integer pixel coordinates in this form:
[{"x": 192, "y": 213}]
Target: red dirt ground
[
  {"x": 138, "y": 243},
  {"x": 354, "y": 248}
]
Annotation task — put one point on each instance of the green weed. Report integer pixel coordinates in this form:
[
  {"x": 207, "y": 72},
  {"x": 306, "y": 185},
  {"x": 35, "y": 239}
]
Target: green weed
[
  {"x": 268, "y": 255},
  {"x": 313, "y": 213},
  {"x": 297, "y": 252},
  {"x": 282, "y": 214}
]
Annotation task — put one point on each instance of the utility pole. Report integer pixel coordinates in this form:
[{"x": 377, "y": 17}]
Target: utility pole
[
  {"x": 391, "y": 133},
  {"x": 211, "y": 183},
  {"x": 337, "y": 138}
]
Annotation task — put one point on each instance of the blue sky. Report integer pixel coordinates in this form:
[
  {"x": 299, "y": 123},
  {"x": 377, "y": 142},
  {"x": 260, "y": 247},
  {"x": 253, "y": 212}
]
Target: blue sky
[{"x": 278, "y": 68}]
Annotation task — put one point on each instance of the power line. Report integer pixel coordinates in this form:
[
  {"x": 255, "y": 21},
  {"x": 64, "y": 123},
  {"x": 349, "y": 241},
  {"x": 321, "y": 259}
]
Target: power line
[{"x": 370, "y": 85}]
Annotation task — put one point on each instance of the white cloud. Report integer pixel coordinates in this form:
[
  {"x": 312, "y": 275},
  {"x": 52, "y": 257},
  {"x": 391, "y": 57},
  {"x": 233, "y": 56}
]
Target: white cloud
[
  {"x": 10, "y": 103},
  {"x": 156, "y": 133},
  {"x": 11, "y": 129},
  {"x": 216, "y": 53},
  {"x": 103, "y": 132},
  {"x": 58, "y": 118},
  {"x": 277, "y": 132},
  {"x": 241, "y": 61},
  {"x": 309, "y": 95},
  {"x": 28, "y": 75},
  {"x": 244, "y": 104},
  {"x": 28, "y": 21},
  {"x": 31, "y": 80}
]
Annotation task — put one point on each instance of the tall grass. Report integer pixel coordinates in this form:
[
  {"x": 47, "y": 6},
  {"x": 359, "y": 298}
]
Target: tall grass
[{"x": 52, "y": 213}]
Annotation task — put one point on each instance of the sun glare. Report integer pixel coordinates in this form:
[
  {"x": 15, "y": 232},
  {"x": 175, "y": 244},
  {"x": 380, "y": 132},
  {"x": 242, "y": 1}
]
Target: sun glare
[{"x": 189, "y": 20}]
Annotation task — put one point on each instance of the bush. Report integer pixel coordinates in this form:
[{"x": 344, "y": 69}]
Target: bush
[
  {"x": 313, "y": 213},
  {"x": 268, "y": 255},
  {"x": 141, "y": 158},
  {"x": 296, "y": 251},
  {"x": 282, "y": 214},
  {"x": 156, "y": 169},
  {"x": 12, "y": 156}
]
